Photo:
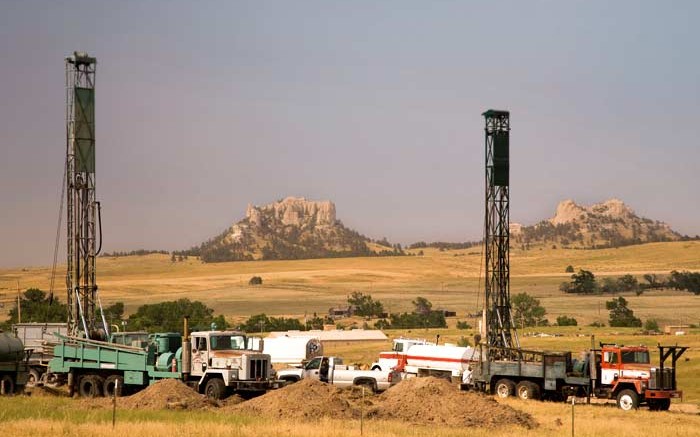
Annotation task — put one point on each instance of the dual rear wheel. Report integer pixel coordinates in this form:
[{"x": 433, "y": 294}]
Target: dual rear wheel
[{"x": 505, "y": 388}]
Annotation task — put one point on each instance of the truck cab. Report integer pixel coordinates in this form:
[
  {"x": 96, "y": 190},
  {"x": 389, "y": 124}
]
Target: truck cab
[
  {"x": 221, "y": 362},
  {"x": 400, "y": 346}
]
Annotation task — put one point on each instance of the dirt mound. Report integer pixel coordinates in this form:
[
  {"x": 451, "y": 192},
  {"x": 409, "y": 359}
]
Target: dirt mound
[
  {"x": 436, "y": 401},
  {"x": 305, "y": 399},
  {"x": 166, "y": 393}
]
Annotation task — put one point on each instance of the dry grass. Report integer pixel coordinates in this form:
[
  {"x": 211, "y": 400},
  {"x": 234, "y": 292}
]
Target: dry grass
[{"x": 20, "y": 417}]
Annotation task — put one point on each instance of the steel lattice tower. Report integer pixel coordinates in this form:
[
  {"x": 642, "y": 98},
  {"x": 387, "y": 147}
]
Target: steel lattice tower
[
  {"x": 82, "y": 208},
  {"x": 500, "y": 330}
]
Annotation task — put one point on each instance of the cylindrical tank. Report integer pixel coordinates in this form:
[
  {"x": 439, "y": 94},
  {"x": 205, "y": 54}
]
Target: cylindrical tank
[
  {"x": 292, "y": 350},
  {"x": 165, "y": 362},
  {"x": 11, "y": 348},
  {"x": 453, "y": 358}
]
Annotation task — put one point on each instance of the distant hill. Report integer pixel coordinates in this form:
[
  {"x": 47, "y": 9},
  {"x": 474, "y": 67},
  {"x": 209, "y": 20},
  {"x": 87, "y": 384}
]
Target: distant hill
[
  {"x": 292, "y": 228},
  {"x": 607, "y": 224}
]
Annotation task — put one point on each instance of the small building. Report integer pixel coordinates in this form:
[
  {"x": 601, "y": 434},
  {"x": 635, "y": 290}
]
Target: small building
[
  {"x": 335, "y": 335},
  {"x": 340, "y": 312},
  {"x": 676, "y": 329}
]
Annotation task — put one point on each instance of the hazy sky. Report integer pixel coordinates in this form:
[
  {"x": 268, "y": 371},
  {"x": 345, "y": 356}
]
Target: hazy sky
[{"x": 375, "y": 105}]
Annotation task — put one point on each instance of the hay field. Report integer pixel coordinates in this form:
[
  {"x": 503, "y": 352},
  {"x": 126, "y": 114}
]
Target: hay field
[{"x": 449, "y": 279}]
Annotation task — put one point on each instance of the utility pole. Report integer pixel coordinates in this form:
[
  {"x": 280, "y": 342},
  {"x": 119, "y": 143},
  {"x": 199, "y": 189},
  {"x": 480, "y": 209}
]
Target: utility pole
[{"x": 19, "y": 305}]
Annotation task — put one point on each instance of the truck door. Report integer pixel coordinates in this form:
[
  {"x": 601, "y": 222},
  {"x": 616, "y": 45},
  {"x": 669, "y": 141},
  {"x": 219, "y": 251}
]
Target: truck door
[
  {"x": 200, "y": 355},
  {"x": 609, "y": 367},
  {"x": 312, "y": 368}
]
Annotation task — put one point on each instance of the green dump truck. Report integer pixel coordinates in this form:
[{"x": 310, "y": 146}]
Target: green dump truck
[{"x": 217, "y": 363}]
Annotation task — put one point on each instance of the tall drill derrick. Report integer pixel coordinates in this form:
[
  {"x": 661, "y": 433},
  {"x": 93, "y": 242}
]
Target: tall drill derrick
[
  {"x": 82, "y": 208},
  {"x": 499, "y": 327}
]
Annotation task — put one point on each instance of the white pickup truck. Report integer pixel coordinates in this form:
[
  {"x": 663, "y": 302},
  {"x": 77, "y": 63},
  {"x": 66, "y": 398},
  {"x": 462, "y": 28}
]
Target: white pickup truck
[{"x": 333, "y": 371}]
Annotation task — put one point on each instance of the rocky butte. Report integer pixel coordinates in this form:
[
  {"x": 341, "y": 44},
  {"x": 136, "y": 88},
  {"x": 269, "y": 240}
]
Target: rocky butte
[
  {"x": 291, "y": 228},
  {"x": 608, "y": 224}
]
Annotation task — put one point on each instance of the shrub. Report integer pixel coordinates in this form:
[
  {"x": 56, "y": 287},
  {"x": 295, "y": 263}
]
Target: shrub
[
  {"x": 566, "y": 321},
  {"x": 255, "y": 280}
]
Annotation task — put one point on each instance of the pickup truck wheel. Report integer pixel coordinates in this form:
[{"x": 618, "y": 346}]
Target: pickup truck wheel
[
  {"x": 504, "y": 388},
  {"x": 627, "y": 400},
  {"x": 377, "y": 368},
  {"x": 90, "y": 386},
  {"x": 215, "y": 388},
  {"x": 527, "y": 390},
  {"x": 113, "y": 386},
  {"x": 367, "y": 384},
  {"x": 289, "y": 379},
  {"x": 7, "y": 385}
]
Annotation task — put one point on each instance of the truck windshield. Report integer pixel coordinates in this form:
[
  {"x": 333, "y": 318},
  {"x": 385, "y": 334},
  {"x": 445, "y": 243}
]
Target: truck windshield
[
  {"x": 227, "y": 342},
  {"x": 635, "y": 357},
  {"x": 398, "y": 347}
]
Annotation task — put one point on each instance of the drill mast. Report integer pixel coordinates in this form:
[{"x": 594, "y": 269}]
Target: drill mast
[
  {"x": 499, "y": 328},
  {"x": 83, "y": 211}
]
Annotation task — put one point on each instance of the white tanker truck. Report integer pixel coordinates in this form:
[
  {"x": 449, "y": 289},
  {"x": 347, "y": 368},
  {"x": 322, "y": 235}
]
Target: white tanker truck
[{"x": 422, "y": 358}]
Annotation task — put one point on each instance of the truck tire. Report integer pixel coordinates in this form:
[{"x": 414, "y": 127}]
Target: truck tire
[
  {"x": 215, "y": 389},
  {"x": 504, "y": 388},
  {"x": 368, "y": 384},
  {"x": 527, "y": 390},
  {"x": 290, "y": 379},
  {"x": 628, "y": 400},
  {"x": 7, "y": 385},
  {"x": 112, "y": 382},
  {"x": 33, "y": 378},
  {"x": 659, "y": 404},
  {"x": 90, "y": 386},
  {"x": 377, "y": 368}
]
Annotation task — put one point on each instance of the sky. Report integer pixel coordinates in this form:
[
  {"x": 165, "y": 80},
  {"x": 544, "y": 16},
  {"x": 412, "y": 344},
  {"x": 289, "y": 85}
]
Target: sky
[{"x": 204, "y": 107}]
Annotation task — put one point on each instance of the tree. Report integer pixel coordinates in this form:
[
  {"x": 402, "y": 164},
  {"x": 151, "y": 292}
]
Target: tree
[
  {"x": 114, "y": 312},
  {"x": 422, "y": 305},
  {"x": 463, "y": 325},
  {"x": 620, "y": 314},
  {"x": 652, "y": 280},
  {"x": 583, "y": 282},
  {"x": 168, "y": 316},
  {"x": 36, "y": 306},
  {"x": 262, "y": 323},
  {"x": 685, "y": 281},
  {"x": 627, "y": 283},
  {"x": 609, "y": 285},
  {"x": 651, "y": 325},
  {"x": 364, "y": 305},
  {"x": 566, "y": 321},
  {"x": 528, "y": 310},
  {"x": 569, "y": 269}
]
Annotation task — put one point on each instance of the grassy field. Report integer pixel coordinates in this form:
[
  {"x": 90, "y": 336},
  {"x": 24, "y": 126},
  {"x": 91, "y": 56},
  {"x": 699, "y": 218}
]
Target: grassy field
[
  {"x": 51, "y": 417},
  {"x": 449, "y": 279}
]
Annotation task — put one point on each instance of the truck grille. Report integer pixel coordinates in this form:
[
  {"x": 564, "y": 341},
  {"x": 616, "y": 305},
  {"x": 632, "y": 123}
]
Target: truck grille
[
  {"x": 258, "y": 369},
  {"x": 661, "y": 381}
]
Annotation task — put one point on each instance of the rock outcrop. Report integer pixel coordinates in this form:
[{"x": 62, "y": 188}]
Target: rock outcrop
[
  {"x": 608, "y": 224},
  {"x": 292, "y": 228}
]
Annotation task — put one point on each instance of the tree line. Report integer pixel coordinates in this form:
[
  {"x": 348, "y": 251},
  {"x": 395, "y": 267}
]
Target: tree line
[{"x": 585, "y": 282}]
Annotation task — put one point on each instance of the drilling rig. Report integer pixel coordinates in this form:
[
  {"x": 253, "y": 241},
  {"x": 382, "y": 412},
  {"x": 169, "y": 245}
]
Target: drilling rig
[
  {"x": 83, "y": 210},
  {"x": 623, "y": 373}
]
